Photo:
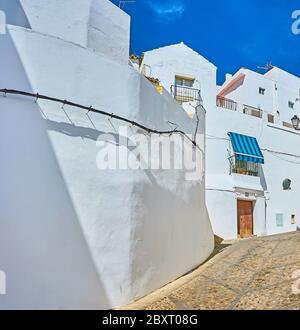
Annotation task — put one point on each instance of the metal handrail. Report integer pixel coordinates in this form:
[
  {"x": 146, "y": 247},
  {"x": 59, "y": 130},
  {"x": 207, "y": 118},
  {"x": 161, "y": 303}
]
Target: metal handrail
[
  {"x": 186, "y": 94},
  {"x": 225, "y": 103},
  {"x": 243, "y": 167},
  {"x": 252, "y": 111}
]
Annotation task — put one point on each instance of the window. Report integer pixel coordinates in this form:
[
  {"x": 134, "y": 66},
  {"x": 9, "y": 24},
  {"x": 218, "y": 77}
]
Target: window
[
  {"x": 291, "y": 105},
  {"x": 262, "y": 91},
  {"x": 279, "y": 220},
  {"x": 270, "y": 118},
  {"x": 184, "y": 82}
]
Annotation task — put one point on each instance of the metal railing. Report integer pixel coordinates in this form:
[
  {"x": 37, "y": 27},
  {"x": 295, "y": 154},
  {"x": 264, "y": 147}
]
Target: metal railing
[
  {"x": 243, "y": 167},
  {"x": 186, "y": 94},
  {"x": 251, "y": 111},
  {"x": 287, "y": 125},
  {"x": 222, "y": 102}
]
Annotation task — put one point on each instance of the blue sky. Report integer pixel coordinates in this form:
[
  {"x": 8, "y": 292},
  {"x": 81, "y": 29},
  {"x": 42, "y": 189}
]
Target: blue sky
[{"x": 229, "y": 33}]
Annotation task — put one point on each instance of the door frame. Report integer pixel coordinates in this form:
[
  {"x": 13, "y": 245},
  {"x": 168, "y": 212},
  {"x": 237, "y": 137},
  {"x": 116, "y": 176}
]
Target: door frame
[{"x": 252, "y": 213}]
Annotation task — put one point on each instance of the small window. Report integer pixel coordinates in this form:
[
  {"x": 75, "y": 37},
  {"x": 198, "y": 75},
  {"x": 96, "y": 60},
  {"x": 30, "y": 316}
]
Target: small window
[
  {"x": 293, "y": 219},
  {"x": 270, "y": 118},
  {"x": 184, "y": 82},
  {"x": 279, "y": 220},
  {"x": 262, "y": 91},
  {"x": 291, "y": 105}
]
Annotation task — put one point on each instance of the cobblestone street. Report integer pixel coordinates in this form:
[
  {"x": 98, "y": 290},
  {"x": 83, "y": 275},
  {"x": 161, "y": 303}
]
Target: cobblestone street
[{"x": 258, "y": 273}]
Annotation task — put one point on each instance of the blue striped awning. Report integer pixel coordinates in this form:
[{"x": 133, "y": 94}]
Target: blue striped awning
[{"x": 246, "y": 148}]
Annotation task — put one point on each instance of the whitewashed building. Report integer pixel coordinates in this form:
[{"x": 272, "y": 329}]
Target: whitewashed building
[
  {"x": 72, "y": 235},
  {"x": 252, "y": 186}
]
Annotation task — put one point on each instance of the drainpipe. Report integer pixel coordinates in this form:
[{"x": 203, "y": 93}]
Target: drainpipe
[{"x": 265, "y": 224}]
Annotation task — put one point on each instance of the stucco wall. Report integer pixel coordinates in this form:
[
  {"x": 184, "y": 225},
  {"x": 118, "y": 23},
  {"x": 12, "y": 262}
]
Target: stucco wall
[
  {"x": 222, "y": 189},
  {"x": 167, "y": 62},
  {"x": 73, "y": 236},
  {"x": 280, "y": 88},
  {"x": 96, "y": 24},
  {"x": 277, "y": 167}
]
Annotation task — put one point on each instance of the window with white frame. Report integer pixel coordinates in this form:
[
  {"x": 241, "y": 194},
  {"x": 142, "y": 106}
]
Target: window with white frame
[
  {"x": 184, "y": 81},
  {"x": 291, "y": 105}
]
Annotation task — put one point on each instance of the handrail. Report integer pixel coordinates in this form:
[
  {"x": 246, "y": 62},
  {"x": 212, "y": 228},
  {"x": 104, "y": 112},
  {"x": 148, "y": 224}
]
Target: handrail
[
  {"x": 91, "y": 109},
  {"x": 186, "y": 94},
  {"x": 252, "y": 111},
  {"x": 225, "y": 103}
]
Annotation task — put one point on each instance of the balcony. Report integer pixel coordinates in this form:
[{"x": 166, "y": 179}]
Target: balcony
[
  {"x": 186, "y": 94},
  {"x": 251, "y": 111},
  {"x": 222, "y": 102},
  {"x": 287, "y": 125},
  {"x": 243, "y": 167}
]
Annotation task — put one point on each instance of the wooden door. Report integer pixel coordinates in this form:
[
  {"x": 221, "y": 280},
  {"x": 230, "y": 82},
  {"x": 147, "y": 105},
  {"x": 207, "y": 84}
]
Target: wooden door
[{"x": 245, "y": 218}]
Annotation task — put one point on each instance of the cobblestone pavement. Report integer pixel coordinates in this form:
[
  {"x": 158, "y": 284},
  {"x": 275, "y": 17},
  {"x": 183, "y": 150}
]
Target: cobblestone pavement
[{"x": 259, "y": 273}]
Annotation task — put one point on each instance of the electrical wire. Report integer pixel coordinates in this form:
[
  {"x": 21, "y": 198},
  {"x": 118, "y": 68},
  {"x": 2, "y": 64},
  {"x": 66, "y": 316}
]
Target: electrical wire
[{"x": 275, "y": 154}]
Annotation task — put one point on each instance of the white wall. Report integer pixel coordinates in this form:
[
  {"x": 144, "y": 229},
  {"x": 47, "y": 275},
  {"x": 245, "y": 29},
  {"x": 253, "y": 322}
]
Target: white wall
[
  {"x": 73, "y": 236},
  {"x": 280, "y": 88},
  {"x": 96, "y": 24},
  {"x": 248, "y": 92},
  {"x": 277, "y": 168},
  {"x": 222, "y": 189},
  {"x": 288, "y": 89},
  {"x": 109, "y": 30},
  {"x": 167, "y": 62}
]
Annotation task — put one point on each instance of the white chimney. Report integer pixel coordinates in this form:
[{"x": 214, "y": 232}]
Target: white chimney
[{"x": 228, "y": 76}]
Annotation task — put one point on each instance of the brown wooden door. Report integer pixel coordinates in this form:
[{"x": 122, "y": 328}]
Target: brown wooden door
[{"x": 245, "y": 218}]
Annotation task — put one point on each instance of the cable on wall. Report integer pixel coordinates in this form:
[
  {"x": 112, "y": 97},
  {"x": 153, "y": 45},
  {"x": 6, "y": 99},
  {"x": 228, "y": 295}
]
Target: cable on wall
[{"x": 101, "y": 112}]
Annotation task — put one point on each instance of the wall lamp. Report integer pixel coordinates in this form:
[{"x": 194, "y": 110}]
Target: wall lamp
[{"x": 296, "y": 123}]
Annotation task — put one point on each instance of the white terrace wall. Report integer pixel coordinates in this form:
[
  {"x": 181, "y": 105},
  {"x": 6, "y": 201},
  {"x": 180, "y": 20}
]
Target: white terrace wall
[
  {"x": 96, "y": 24},
  {"x": 71, "y": 235},
  {"x": 287, "y": 89},
  {"x": 248, "y": 92},
  {"x": 280, "y": 88}
]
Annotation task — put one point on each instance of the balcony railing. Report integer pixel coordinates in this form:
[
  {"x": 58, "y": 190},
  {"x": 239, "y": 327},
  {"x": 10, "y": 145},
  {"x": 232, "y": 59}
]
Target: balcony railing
[
  {"x": 251, "y": 111},
  {"x": 222, "y": 102},
  {"x": 287, "y": 125},
  {"x": 243, "y": 167},
  {"x": 186, "y": 94}
]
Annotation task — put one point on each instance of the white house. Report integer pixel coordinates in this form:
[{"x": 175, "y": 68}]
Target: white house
[
  {"x": 252, "y": 185},
  {"x": 72, "y": 235},
  {"x": 258, "y": 195},
  {"x": 183, "y": 72}
]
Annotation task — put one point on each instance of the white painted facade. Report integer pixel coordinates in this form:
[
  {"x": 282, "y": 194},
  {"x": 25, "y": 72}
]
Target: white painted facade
[
  {"x": 179, "y": 60},
  {"x": 277, "y": 141},
  {"x": 71, "y": 235}
]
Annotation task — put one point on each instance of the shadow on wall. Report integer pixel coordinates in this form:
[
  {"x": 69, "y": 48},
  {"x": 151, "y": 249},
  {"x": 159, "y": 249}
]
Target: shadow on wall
[
  {"x": 263, "y": 180},
  {"x": 43, "y": 251},
  {"x": 74, "y": 130},
  {"x": 15, "y": 14},
  {"x": 169, "y": 245},
  {"x": 160, "y": 251}
]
